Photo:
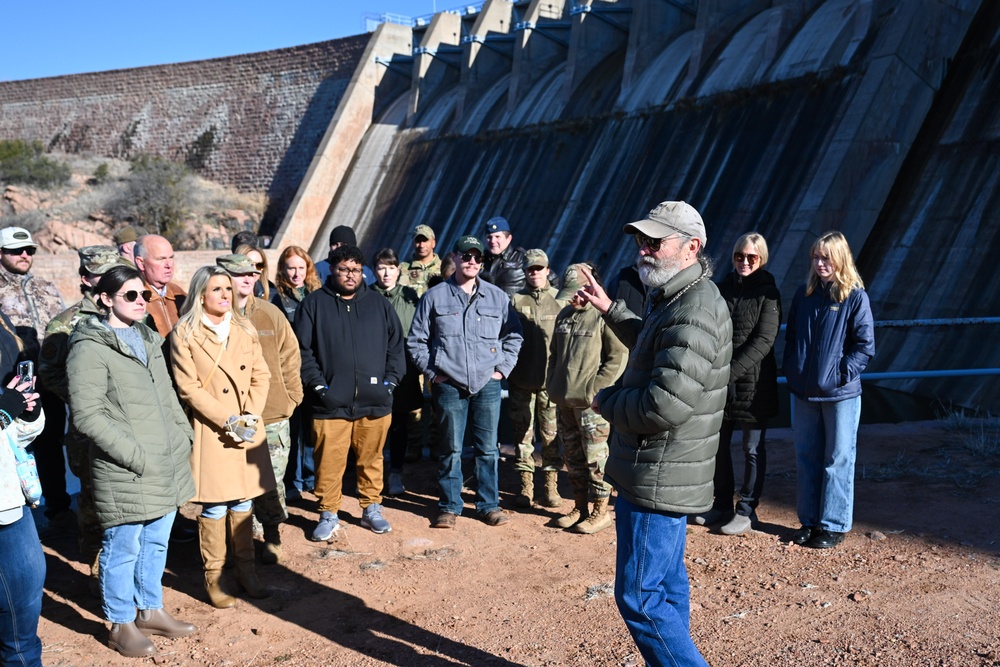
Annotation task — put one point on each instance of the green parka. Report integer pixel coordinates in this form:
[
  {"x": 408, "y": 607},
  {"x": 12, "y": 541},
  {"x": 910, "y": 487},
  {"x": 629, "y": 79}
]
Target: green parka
[
  {"x": 667, "y": 408},
  {"x": 141, "y": 438}
]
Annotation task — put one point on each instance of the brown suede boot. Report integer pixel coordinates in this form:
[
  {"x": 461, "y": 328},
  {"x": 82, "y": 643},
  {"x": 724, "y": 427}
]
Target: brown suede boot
[
  {"x": 599, "y": 519},
  {"x": 523, "y": 498},
  {"x": 129, "y": 641},
  {"x": 271, "y": 554},
  {"x": 241, "y": 533},
  {"x": 212, "y": 538},
  {"x": 551, "y": 498},
  {"x": 579, "y": 513}
]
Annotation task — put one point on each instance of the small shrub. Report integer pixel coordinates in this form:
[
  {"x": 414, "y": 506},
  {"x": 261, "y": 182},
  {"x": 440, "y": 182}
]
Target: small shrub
[
  {"x": 102, "y": 173},
  {"x": 24, "y": 162},
  {"x": 156, "y": 195}
]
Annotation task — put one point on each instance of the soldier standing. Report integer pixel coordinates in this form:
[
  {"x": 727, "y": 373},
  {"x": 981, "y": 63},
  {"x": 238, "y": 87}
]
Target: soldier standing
[
  {"x": 425, "y": 263},
  {"x": 537, "y": 309}
]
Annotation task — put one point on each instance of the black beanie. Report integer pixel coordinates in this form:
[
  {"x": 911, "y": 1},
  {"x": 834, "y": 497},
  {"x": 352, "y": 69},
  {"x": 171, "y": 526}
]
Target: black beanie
[{"x": 343, "y": 234}]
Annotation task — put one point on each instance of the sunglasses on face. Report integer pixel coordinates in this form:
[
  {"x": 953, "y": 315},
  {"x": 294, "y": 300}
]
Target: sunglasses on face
[
  {"x": 18, "y": 251},
  {"x": 260, "y": 266},
  {"x": 472, "y": 257},
  {"x": 740, "y": 257},
  {"x": 133, "y": 295},
  {"x": 644, "y": 241}
]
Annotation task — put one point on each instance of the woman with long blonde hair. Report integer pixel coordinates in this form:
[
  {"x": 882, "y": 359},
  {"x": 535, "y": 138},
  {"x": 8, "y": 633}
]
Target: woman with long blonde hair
[
  {"x": 264, "y": 286},
  {"x": 829, "y": 340},
  {"x": 220, "y": 373}
]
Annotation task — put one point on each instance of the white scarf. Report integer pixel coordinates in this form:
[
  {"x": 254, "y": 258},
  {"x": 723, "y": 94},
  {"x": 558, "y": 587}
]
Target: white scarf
[{"x": 221, "y": 330}]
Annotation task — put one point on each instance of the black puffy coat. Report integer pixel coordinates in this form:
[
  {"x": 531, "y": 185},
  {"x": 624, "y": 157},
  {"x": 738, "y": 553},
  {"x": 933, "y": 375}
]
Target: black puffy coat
[{"x": 755, "y": 307}]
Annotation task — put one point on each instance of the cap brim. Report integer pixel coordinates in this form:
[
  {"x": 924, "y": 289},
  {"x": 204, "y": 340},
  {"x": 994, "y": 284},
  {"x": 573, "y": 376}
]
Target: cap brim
[
  {"x": 20, "y": 244},
  {"x": 651, "y": 228}
]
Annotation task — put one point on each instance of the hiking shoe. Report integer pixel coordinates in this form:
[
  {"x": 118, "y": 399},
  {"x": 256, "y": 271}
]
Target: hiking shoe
[
  {"x": 445, "y": 520},
  {"x": 327, "y": 526},
  {"x": 372, "y": 519},
  {"x": 738, "y": 525},
  {"x": 396, "y": 487},
  {"x": 494, "y": 518}
]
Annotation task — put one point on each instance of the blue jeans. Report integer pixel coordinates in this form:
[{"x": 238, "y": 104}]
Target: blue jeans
[
  {"x": 22, "y": 575},
  {"x": 132, "y": 561},
  {"x": 651, "y": 584},
  {"x": 455, "y": 409},
  {"x": 826, "y": 446},
  {"x": 754, "y": 467},
  {"x": 301, "y": 471},
  {"x": 216, "y": 511}
]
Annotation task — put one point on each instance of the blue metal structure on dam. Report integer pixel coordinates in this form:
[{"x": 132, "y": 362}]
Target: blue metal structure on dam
[{"x": 791, "y": 117}]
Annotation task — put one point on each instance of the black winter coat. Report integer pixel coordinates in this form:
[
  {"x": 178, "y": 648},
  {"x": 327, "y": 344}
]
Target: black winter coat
[
  {"x": 505, "y": 270},
  {"x": 755, "y": 307}
]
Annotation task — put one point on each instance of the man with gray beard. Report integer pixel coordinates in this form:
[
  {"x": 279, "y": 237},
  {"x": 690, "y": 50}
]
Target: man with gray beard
[{"x": 666, "y": 411}]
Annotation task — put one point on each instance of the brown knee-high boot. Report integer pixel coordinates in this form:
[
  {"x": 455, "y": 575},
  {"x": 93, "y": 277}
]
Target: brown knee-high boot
[
  {"x": 241, "y": 534},
  {"x": 212, "y": 539}
]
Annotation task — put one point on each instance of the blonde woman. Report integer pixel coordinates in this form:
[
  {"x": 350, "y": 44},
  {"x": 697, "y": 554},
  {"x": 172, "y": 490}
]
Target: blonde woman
[
  {"x": 221, "y": 374},
  {"x": 264, "y": 286},
  {"x": 829, "y": 341}
]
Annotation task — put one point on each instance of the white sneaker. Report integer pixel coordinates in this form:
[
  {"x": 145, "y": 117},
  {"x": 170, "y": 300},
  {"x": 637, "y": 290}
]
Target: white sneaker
[
  {"x": 738, "y": 525},
  {"x": 396, "y": 487}
]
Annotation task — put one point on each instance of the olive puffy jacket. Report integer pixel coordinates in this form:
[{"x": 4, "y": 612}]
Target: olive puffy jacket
[
  {"x": 140, "y": 437},
  {"x": 755, "y": 307},
  {"x": 667, "y": 408}
]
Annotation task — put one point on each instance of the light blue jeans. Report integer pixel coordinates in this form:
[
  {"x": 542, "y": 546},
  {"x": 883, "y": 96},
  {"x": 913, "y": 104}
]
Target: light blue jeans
[
  {"x": 826, "y": 446},
  {"x": 216, "y": 511},
  {"x": 651, "y": 585},
  {"x": 455, "y": 408},
  {"x": 133, "y": 557}
]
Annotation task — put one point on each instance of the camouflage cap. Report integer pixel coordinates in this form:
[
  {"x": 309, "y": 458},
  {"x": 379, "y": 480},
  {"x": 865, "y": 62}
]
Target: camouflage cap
[
  {"x": 16, "y": 237},
  {"x": 237, "y": 265},
  {"x": 128, "y": 234},
  {"x": 425, "y": 231},
  {"x": 536, "y": 257},
  {"x": 572, "y": 281},
  {"x": 98, "y": 259}
]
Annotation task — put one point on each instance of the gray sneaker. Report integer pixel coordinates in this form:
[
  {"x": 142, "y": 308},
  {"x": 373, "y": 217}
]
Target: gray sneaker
[
  {"x": 737, "y": 526},
  {"x": 396, "y": 487},
  {"x": 327, "y": 526},
  {"x": 372, "y": 519}
]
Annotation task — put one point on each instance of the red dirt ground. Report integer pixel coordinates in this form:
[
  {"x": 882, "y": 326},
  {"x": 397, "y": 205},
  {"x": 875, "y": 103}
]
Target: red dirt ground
[{"x": 916, "y": 582}]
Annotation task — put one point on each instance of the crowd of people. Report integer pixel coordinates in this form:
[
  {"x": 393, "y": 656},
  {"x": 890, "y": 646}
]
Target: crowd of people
[{"x": 239, "y": 394}]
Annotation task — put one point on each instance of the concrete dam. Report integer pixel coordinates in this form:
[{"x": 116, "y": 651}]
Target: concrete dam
[{"x": 791, "y": 117}]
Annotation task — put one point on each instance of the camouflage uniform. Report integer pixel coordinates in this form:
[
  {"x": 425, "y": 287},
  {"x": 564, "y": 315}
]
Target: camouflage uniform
[
  {"x": 270, "y": 508},
  {"x": 30, "y": 303},
  {"x": 529, "y": 399},
  {"x": 417, "y": 274},
  {"x": 585, "y": 441},
  {"x": 52, "y": 373}
]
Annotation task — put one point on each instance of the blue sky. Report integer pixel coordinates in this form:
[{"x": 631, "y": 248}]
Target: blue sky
[{"x": 48, "y": 38}]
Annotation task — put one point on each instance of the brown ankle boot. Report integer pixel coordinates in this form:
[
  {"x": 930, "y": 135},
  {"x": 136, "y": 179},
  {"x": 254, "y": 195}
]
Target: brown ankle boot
[
  {"x": 599, "y": 519},
  {"x": 129, "y": 641},
  {"x": 159, "y": 622},
  {"x": 212, "y": 539},
  {"x": 241, "y": 533},
  {"x": 550, "y": 498},
  {"x": 523, "y": 498},
  {"x": 579, "y": 513}
]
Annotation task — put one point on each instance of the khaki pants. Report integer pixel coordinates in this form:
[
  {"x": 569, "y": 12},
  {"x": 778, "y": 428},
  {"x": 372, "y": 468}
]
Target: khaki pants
[{"x": 334, "y": 438}]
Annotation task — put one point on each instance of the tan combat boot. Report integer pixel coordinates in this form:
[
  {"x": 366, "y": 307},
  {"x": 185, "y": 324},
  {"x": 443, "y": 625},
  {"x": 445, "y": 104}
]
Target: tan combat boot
[
  {"x": 599, "y": 519},
  {"x": 523, "y": 498},
  {"x": 551, "y": 498},
  {"x": 212, "y": 540},
  {"x": 271, "y": 554},
  {"x": 579, "y": 513},
  {"x": 241, "y": 533}
]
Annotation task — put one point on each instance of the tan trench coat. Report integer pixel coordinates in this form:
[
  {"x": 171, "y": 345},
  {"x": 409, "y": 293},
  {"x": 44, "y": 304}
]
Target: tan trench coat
[{"x": 223, "y": 470}]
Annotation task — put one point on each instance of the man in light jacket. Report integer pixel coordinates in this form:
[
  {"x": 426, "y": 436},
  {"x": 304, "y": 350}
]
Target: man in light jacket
[
  {"x": 666, "y": 411},
  {"x": 465, "y": 337}
]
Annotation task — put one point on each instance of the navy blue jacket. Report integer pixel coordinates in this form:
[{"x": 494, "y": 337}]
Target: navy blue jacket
[
  {"x": 828, "y": 344},
  {"x": 353, "y": 347}
]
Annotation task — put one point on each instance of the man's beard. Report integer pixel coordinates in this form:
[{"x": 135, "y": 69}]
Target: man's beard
[
  {"x": 657, "y": 272},
  {"x": 344, "y": 290}
]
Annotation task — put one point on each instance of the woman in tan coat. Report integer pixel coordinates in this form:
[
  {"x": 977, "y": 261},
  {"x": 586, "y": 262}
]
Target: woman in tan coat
[{"x": 221, "y": 375}]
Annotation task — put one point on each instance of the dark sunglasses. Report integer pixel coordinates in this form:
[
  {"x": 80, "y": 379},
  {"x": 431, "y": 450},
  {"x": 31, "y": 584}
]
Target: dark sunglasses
[
  {"x": 644, "y": 241},
  {"x": 132, "y": 295},
  {"x": 260, "y": 266},
  {"x": 472, "y": 257},
  {"x": 18, "y": 251},
  {"x": 750, "y": 259}
]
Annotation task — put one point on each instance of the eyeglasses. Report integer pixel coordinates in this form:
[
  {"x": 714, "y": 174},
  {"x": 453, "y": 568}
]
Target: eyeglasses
[
  {"x": 644, "y": 241},
  {"x": 260, "y": 266},
  {"x": 472, "y": 257},
  {"x": 348, "y": 272},
  {"x": 749, "y": 258},
  {"x": 132, "y": 295},
  {"x": 19, "y": 251}
]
